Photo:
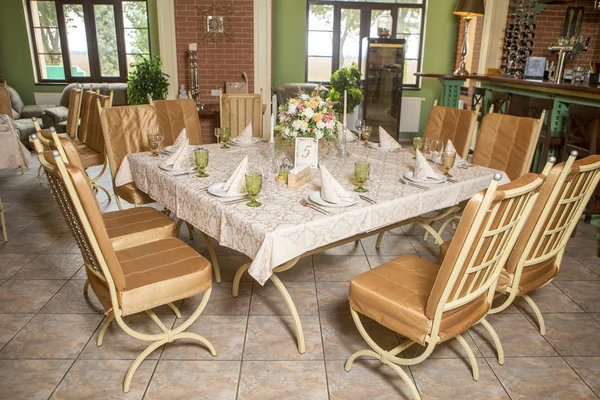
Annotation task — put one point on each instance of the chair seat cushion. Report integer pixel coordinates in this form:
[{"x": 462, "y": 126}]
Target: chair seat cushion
[
  {"x": 136, "y": 226},
  {"x": 532, "y": 277},
  {"x": 161, "y": 272},
  {"x": 395, "y": 295},
  {"x": 90, "y": 157},
  {"x": 131, "y": 194}
]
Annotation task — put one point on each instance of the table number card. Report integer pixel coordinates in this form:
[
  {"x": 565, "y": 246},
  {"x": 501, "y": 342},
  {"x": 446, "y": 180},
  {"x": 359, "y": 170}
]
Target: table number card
[{"x": 306, "y": 152}]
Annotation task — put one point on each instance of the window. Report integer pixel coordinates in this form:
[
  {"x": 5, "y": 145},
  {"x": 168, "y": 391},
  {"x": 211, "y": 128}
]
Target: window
[
  {"x": 335, "y": 29},
  {"x": 87, "y": 40}
]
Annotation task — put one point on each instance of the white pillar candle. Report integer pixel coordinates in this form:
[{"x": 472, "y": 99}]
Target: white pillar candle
[
  {"x": 345, "y": 106},
  {"x": 273, "y": 118},
  {"x": 193, "y": 46}
]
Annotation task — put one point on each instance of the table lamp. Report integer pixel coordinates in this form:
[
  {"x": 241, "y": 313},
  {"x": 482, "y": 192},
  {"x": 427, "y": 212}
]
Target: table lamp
[{"x": 467, "y": 9}]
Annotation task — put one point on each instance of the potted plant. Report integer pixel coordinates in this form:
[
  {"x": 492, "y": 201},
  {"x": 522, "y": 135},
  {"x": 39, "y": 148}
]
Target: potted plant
[
  {"x": 146, "y": 78},
  {"x": 346, "y": 79}
]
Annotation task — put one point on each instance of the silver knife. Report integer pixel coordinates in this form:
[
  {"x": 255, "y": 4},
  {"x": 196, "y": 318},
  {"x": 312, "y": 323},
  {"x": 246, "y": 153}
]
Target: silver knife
[{"x": 413, "y": 184}]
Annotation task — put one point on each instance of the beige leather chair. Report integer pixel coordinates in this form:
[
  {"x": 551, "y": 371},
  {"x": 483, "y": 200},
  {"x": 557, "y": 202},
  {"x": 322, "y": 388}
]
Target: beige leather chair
[
  {"x": 135, "y": 279},
  {"x": 74, "y": 113},
  {"x": 428, "y": 303},
  {"x": 459, "y": 126},
  {"x": 173, "y": 116},
  {"x": 239, "y": 110}
]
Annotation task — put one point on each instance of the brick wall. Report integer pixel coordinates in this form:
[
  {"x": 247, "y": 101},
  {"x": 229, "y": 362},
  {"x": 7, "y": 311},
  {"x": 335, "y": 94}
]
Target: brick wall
[{"x": 217, "y": 62}]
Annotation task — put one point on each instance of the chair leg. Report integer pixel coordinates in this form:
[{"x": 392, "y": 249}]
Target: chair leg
[
  {"x": 538, "y": 314},
  {"x": 213, "y": 257},
  {"x": 379, "y": 238},
  {"x": 3, "y": 223},
  {"x": 100, "y": 187},
  {"x": 104, "y": 327},
  {"x": 190, "y": 229},
  {"x": 86, "y": 286},
  {"x": 293, "y": 311},
  {"x": 496, "y": 340},
  {"x": 118, "y": 202},
  {"x": 175, "y": 309},
  {"x": 471, "y": 356},
  {"x": 235, "y": 287}
]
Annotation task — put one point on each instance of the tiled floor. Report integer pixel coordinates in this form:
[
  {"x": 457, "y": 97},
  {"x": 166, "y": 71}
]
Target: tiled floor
[{"x": 47, "y": 327}]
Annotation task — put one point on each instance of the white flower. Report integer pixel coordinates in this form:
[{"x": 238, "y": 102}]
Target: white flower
[
  {"x": 296, "y": 124},
  {"x": 330, "y": 124},
  {"x": 303, "y": 126},
  {"x": 292, "y": 109},
  {"x": 322, "y": 103},
  {"x": 318, "y": 133},
  {"x": 304, "y": 96},
  {"x": 308, "y": 113},
  {"x": 286, "y": 132},
  {"x": 321, "y": 125}
]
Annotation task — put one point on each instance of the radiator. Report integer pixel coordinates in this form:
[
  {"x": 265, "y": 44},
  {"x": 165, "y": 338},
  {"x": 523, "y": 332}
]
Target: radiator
[{"x": 410, "y": 116}]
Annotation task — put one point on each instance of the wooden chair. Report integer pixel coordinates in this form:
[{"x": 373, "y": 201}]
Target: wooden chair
[
  {"x": 175, "y": 115},
  {"x": 132, "y": 280},
  {"x": 429, "y": 303},
  {"x": 500, "y": 102},
  {"x": 478, "y": 101},
  {"x": 239, "y": 110},
  {"x": 459, "y": 126},
  {"x": 3, "y": 222},
  {"x": 5, "y": 105}
]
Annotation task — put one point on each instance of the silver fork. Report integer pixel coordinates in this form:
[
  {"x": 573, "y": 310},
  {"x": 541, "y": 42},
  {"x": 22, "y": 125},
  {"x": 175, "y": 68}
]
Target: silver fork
[
  {"x": 404, "y": 182},
  {"x": 367, "y": 199},
  {"x": 308, "y": 204},
  {"x": 240, "y": 200}
]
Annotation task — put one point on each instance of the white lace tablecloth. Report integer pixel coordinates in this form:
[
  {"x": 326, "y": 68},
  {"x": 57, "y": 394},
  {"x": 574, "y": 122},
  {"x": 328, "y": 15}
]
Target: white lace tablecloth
[
  {"x": 12, "y": 152},
  {"x": 282, "y": 229}
]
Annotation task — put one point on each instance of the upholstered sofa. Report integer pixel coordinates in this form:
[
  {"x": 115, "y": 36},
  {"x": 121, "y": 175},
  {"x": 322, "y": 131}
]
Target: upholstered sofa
[
  {"x": 58, "y": 114},
  {"x": 22, "y": 115}
]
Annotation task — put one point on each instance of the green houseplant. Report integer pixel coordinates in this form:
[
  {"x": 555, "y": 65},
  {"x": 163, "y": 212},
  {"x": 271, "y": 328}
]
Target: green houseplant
[
  {"x": 146, "y": 78},
  {"x": 345, "y": 79}
]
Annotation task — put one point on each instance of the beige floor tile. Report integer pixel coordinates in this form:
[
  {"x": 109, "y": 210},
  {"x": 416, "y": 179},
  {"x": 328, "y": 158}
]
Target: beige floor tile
[
  {"x": 51, "y": 225},
  {"x": 426, "y": 250},
  {"x": 64, "y": 245},
  {"x": 71, "y": 300},
  {"x": 348, "y": 249},
  {"x": 230, "y": 264},
  {"x": 267, "y": 300},
  {"x": 118, "y": 345},
  {"x": 596, "y": 316},
  {"x": 573, "y": 334},
  {"x": 274, "y": 338},
  {"x": 27, "y": 296},
  {"x": 194, "y": 380},
  {"x": 266, "y": 380},
  {"x": 225, "y": 333},
  {"x": 28, "y": 243},
  {"x": 10, "y": 264},
  {"x": 549, "y": 299},
  {"x": 573, "y": 270},
  {"x": 339, "y": 268},
  {"x": 585, "y": 293},
  {"x": 519, "y": 337},
  {"x": 52, "y": 336},
  {"x": 540, "y": 378},
  {"x": 333, "y": 298},
  {"x": 448, "y": 349},
  {"x": 341, "y": 338},
  {"x": 15, "y": 223},
  {"x": 30, "y": 379},
  {"x": 303, "y": 271},
  {"x": 453, "y": 379},
  {"x": 366, "y": 380},
  {"x": 588, "y": 369},
  {"x": 221, "y": 302},
  {"x": 375, "y": 261},
  {"x": 512, "y": 309},
  {"x": 391, "y": 245},
  {"x": 51, "y": 266},
  {"x": 95, "y": 379},
  {"x": 10, "y": 324}
]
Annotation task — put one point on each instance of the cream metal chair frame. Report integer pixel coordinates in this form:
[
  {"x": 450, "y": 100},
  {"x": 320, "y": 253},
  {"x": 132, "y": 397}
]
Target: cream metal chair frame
[
  {"x": 557, "y": 236},
  {"x": 94, "y": 180},
  {"x": 451, "y": 297},
  {"x": 167, "y": 335},
  {"x": 3, "y": 222}
]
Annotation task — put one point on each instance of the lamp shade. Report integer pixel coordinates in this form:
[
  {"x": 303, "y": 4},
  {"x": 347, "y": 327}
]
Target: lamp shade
[{"x": 469, "y": 8}]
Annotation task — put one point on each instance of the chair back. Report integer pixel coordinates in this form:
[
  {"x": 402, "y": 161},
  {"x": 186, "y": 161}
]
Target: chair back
[
  {"x": 446, "y": 123},
  {"x": 507, "y": 143},
  {"x": 74, "y": 111},
  {"x": 5, "y": 105},
  {"x": 94, "y": 138},
  {"x": 174, "y": 115},
  {"x": 563, "y": 197},
  {"x": 125, "y": 129},
  {"x": 583, "y": 130},
  {"x": 487, "y": 232},
  {"x": 239, "y": 110},
  {"x": 86, "y": 109}
]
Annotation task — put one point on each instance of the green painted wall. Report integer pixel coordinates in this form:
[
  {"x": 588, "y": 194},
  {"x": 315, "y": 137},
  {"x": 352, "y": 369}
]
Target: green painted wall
[
  {"x": 15, "y": 56},
  {"x": 289, "y": 43}
]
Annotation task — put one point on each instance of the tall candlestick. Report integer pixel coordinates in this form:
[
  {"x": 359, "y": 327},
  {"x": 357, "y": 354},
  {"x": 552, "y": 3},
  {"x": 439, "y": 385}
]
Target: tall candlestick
[
  {"x": 273, "y": 118},
  {"x": 345, "y": 107}
]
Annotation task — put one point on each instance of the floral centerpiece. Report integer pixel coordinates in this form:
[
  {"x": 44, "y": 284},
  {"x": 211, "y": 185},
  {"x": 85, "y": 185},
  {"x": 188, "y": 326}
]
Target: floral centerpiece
[{"x": 309, "y": 117}]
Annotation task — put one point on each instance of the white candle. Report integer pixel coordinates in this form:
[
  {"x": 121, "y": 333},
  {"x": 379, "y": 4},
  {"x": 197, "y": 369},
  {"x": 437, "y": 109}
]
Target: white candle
[
  {"x": 273, "y": 118},
  {"x": 345, "y": 106},
  {"x": 193, "y": 47}
]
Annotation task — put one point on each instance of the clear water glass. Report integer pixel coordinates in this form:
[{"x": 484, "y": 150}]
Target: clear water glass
[{"x": 154, "y": 140}]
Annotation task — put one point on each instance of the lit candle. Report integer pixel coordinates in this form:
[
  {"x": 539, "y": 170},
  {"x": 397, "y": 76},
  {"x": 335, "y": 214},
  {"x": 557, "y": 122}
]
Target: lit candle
[
  {"x": 273, "y": 118},
  {"x": 345, "y": 107},
  {"x": 193, "y": 47}
]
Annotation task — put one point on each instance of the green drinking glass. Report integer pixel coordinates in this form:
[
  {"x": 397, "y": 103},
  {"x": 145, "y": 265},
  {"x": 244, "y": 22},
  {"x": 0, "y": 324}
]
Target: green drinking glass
[
  {"x": 201, "y": 161},
  {"x": 224, "y": 135},
  {"x": 253, "y": 186},
  {"x": 361, "y": 173},
  {"x": 418, "y": 144}
]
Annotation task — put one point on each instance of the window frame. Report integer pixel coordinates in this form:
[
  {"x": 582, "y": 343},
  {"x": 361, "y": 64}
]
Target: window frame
[
  {"x": 91, "y": 38},
  {"x": 365, "y": 23}
]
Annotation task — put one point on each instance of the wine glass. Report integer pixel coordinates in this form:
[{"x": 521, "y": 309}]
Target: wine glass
[
  {"x": 218, "y": 134},
  {"x": 361, "y": 174},
  {"x": 366, "y": 133},
  {"x": 427, "y": 148},
  {"x": 253, "y": 186},
  {"x": 437, "y": 146},
  {"x": 418, "y": 144},
  {"x": 201, "y": 161},
  {"x": 359, "y": 125},
  {"x": 448, "y": 159},
  {"x": 154, "y": 140},
  {"x": 224, "y": 134}
]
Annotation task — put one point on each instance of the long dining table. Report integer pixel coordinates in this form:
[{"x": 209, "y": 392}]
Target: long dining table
[{"x": 279, "y": 233}]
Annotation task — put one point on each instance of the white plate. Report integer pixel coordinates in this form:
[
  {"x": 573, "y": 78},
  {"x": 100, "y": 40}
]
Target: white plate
[
  {"x": 441, "y": 178},
  {"x": 169, "y": 149},
  {"x": 169, "y": 168},
  {"x": 236, "y": 142},
  {"x": 216, "y": 189},
  {"x": 315, "y": 197},
  {"x": 375, "y": 146}
]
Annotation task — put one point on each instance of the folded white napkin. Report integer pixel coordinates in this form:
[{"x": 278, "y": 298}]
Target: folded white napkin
[
  {"x": 236, "y": 184},
  {"x": 246, "y": 134},
  {"x": 182, "y": 136},
  {"x": 179, "y": 158},
  {"x": 124, "y": 176},
  {"x": 331, "y": 190},
  {"x": 349, "y": 135},
  {"x": 422, "y": 168},
  {"x": 386, "y": 141},
  {"x": 449, "y": 148}
]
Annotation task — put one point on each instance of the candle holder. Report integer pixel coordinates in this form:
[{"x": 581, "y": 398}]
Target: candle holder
[
  {"x": 193, "y": 60},
  {"x": 344, "y": 152}
]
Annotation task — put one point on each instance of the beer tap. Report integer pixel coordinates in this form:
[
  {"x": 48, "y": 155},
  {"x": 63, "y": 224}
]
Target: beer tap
[{"x": 567, "y": 48}]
